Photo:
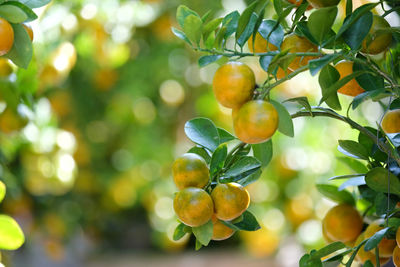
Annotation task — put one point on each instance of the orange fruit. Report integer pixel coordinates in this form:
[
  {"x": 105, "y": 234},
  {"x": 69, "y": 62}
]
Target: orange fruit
[
  {"x": 190, "y": 170},
  {"x": 325, "y": 235},
  {"x": 342, "y": 223},
  {"x": 363, "y": 255},
  {"x": 260, "y": 44},
  {"x": 6, "y": 36},
  {"x": 296, "y": 44},
  {"x": 220, "y": 230},
  {"x": 377, "y": 39},
  {"x": 391, "y": 121},
  {"x": 352, "y": 88},
  {"x": 282, "y": 73},
  {"x": 299, "y": 2},
  {"x": 398, "y": 236},
  {"x": 29, "y": 31},
  {"x": 12, "y": 121},
  {"x": 5, "y": 67},
  {"x": 323, "y": 3},
  {"x": 255, "y": 122},
  {"x": 396, "y": 256},
  {"x": 386, "y": 246},
  {"x": 230, "y": 201},
  {"x": 233, "y": 84},
  {"x": 193, "y": 206}
]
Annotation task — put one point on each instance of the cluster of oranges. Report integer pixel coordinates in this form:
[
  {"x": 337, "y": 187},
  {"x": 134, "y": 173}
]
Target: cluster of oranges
[
  {"x": 7, "y": 36},
  {"x": 195, "y": 206}
]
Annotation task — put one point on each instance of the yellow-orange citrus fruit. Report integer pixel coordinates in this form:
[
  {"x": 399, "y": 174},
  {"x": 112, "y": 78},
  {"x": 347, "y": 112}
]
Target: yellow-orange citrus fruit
[
  {"x": 398, "y": 236},
  {"x": 378, "y": 38},
  {"x": 233, "y": 84},
  {"x": 190, "y": 170},
  {"x": 230, "y": 201},
  {"x": 5, "y": 67},
  {"x": 325, "y": 235},
  {"x": 323, "y": 3},
  {"x": 391, "y": 121},
  {"x": 362, "y": 255},
  {"x": 299, "y": 2},
  {"x": 352, "y": 88},
  {"x": 29, "y": 31},
  {"x": 342, "y": 223},
  {"x": 396, "y": 256},
  {"x": 282, "y": 73},
  {"x": 12, "y": 121},
  {"x": 220, "y": 230},
  {"x": 255, "y": 122},
  {"x": 386, "y": 246},
  {"x": 6, "y": 36},
  {"x": 193, "y": 206},
  {"x": 296, "y": 44},
  {"x": 260, "y": 44}
]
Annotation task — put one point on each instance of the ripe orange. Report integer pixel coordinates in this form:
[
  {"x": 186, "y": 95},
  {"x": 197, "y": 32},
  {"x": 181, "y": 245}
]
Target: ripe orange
[
  {"x": 352, "y": 88},
  {"x": 193, "y": 206},
  {"x": 220, "y": 230},
  {"x": 5, "y": 67},
  {"x": 342, "y": 223},
  {"x": 391, "y": 121},
  {"x": 386, "y": 246},
  {"x": 255, "y": 122},
  {"x": 363, "y": 255},
  {"x": 398, "y": 236},
  {"x": 190, "y": 170},
  {"x": 260, "y": 44},
  {"x": 296, "y": 44},
  {"x": 378, "y": 39},
  {"x": 323, "y": 3},
  {"x": 282, "y": 73},
  {"x": 29, "y": 31},
  {"x": 396, "y": 256},
  {"x": 12, "y": 121},
  {"x": 233, "y": 84},
  {"x": 6, "y": 36},
  {"x": 230, "y": 201}
]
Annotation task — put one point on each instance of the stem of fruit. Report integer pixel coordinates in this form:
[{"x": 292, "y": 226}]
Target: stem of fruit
[{"x": 330, "y": 113}]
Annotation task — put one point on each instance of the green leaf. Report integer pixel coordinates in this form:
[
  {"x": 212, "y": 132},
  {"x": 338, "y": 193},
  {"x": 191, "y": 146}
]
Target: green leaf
[
  {"x": 302, "y": 100},
  {"x": 244, "y": 20},
  {"x": 355, "y": 165},
  {"x": 201, "y": 152},
  {"x": 308, "y": 261},
  {"x": 317, "y": 64},
  {"x": 346, "y": 176},
  {"x": 205, "y": 60},
  {"x": 285, "y": 120},
  {"x": 328, "y": 77},
  {"x": 198, "y": 245},
  {"x": 202, "y": 131},
  {"x": 332, "y": 192},
  {"x": 182, "y": 12},
  {"x": 329, "y": 249},
  {"x": 205, "y": 17},
  {"x": 29, "y": 13},
  {"x": 374, "y": 240},
  {"x": 2, "y": 191},
  {"x": 377, "y": 179},
  {"x": 180, "y": 35},
  {"x": 203, "y": 233},
  {"x": 21, "y": 52},
  {"x": 349, "y": 7},
  {"x": 12, "y": 14},
  {"x": 263, "y": 152},
  {"x": 368, "y": 263},
  {"x": 35, "y": 3},
  {"x": 265, "y": 61},
  {"x": 11, "y": 235},
  {"x": 356, "y": 33},
  {"x": 192, "y": 27},
  {"x": 231, "y": 21},
  {"x": 180, "y": 231},
  {"x": 248, "y": 31},
  {"x": 250, "y": 179},
  {"x": 218, "y": 159},
  {"x": 368, "y": 81},
  {"x": 355, "y": 181},
  {"x": 211, "y": 26},
  {"x": 302, "y": 30},
  {"x": 248, "y": 222},
  {"x": 272, "y": 31},
  {"x": 241, "y": 169},
  {"x": 220, "y": 38},
  {"x": 321, "y": 21},
  {"x": 225, "y": 136},
  {"x": 383, "y": 204},
  {"x": 353, "y": 149},
  {"x": 367, "y": 95}
]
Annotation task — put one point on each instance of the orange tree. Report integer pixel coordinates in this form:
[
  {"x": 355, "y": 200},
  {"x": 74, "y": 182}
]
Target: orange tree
[
  {"x": 357, "y": 56},
  {"x": 15, "y": 45}
]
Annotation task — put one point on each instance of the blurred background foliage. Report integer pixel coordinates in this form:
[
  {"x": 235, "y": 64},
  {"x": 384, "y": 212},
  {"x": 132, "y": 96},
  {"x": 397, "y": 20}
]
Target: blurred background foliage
[{"x": 86, "y": 155}]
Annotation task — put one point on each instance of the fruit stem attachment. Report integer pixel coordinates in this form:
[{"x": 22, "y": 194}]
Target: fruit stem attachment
[{"x": 332, "y": 114}]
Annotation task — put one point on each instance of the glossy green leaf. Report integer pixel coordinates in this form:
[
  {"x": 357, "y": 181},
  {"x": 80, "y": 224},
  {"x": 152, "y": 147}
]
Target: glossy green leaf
[
  {"x": 368, "y": 81},
  {"x": 328, "y": 249},
  {"x": 12, "y": 14},
  {"x": 248, "y": 31},
  {"x": 192, "y": 27},
  {"x": 241, "y": 169},
  {"x": 245, "y": 19},
  {"x": 320, "y": 22},
  {"x": 328, "y": 77},
  {"x": 272, "y": 31},
  {"x": 265, "y": 61},
  {"x": 218, "y": 159},
  {"x": 182, "y": 12},
  {"x": 367, "y": 95},
  {"x": 263, "y": 152},
  {"x": 383, "y": 204},
  {"x": 2, "y": 191},
  {"x": 285, "y": 120},
  {"x": 35, "y": 3},
  {"x": 250, "y": 179},
  {"x": 181, "y": 35},
  {"x": 211, "y": 26},
  {"x": 354, "y": 181},
  {"x": 203, "y": 233},
  {"x": 302, "y": 100},
  {"x": 202, "y": 131},
  {"x": 205, "y": 60},
  {"x": 356, "y": 33},
  {"x": 180, "y": 231},
  {"x": 377, "y": 179},
  {"x": 332, "y": 192},
  {"x": 231, "y": 21},
  {"x": 317, "y": 64},
  {"x": 29, "y": 13},
  {"x": 302, "y": 30},
  {"x": 201, "y": 152},
  {"x": 198, "y": 245},
  {"x": 374, "y": 240},
  {"x": 225, "y": 136},
  {"x": 248, "y": 222},
  {"x": 353, "y": 149},
  {"x": 21, "y": 52},
  {"x": 11, "y": 235}
]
